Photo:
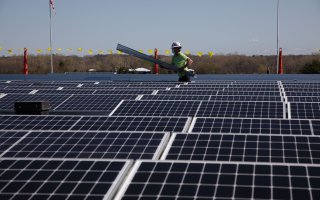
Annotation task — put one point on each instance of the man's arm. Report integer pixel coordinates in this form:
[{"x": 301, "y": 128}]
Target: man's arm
[{"x": 189, "y": 62}]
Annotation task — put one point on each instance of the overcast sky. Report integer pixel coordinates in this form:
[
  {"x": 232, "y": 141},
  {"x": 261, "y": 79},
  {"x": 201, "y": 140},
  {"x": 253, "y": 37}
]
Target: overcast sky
[{"x": 221, "y": 26}]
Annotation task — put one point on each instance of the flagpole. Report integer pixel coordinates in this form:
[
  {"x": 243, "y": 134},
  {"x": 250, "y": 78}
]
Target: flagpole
[
  {"x": 51, "y": 59},
  {"x": 277, "y": 36}
]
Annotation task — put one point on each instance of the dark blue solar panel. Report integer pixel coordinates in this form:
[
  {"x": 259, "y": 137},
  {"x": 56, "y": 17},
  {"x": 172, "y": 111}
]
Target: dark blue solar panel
[
  {"x": 97, "y": 145},
  {"x": 37, "y": 122},
  {"x": 214, "y": 180},
  {"x": 176, "y": 97},
  {"x": 7, "y": 102},
  {"x": 101, "y": 103},
  {"x": 305, "y": 110},
  {"x": 304, "y": 99},
  {"x": 252, "y": 126},
  {"x": 157, "y": 108},
  {"x": 60, "y": 179},
  {"x": 245, "y": 148},
  {"x": 8, "y": 138},
  {"x": 241, "y": 109},
  {"x": 122, "y": 123}
]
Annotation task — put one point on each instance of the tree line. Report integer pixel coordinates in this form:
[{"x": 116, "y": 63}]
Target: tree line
[{"x": 218, "y": 64}]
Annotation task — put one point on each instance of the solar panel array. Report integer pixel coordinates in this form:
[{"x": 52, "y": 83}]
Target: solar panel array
[{"x": 161, "y": 140}]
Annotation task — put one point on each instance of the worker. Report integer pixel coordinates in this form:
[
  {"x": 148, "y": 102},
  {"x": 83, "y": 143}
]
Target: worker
[{"x": 181, "y": 61}]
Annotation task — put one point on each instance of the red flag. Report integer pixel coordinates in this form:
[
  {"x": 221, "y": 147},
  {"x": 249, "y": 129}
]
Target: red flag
[{"x": 52, "y": 6}]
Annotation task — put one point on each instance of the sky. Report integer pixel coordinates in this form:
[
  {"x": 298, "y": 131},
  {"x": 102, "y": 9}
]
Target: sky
[{"x": 220, "y": 26}]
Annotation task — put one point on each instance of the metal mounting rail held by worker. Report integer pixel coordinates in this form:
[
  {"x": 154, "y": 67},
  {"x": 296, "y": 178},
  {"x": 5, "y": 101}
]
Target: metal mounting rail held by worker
[
  {"x": 179, "y": 64},
  {"x": 182, "y": 62}
]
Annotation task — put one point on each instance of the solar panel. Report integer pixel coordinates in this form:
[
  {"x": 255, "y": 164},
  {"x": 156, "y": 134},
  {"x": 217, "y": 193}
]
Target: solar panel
[
  {"x": 187, "y": 92},
  {"x": 241, "y": 109},
  {"x": 245, "y": 98},
  {"x": 96, "y": 145},
  {"x": 235, "y": 145},
  {"x": 303, "y": 89},
  {"x": 244, "y": 148},
  {"x": 305, "y": 110},
  {"x": 251, "y": 89},
  {"x": 31, "y": 87},
  {"x": 250, "y": 93},
  {"x": 124, "y": 92},
  {"x": 304, "y": 99},
  {"x": 7, "y": 102},
  {"x": 202, "y": 86},
  {"x": 313, "y": 94},
  {"x": 60, "y": 179},
  {"x": 213, "y": 180},
  {"x": 93, "y": 123},
  {"x": 65, "y": 91},
  {"x": 37, "y": 122},
  {"x": 16, "y": 91},
  {"x": 176, "y": 97},
  {"x": 134, "y": 123},
  {"x": 315, "y": 127},
  {"x": 251, "y": 126},
  {"x": 97, "y": 103},
  {"x": 8, "y": 138},
  {"x": 157, "y": 108}
]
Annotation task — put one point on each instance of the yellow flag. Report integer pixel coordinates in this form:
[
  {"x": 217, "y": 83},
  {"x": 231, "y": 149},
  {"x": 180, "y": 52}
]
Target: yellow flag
[
  {"x": 0, "y": 48},
  {"x": 10, "y": 51},
  {"x": 49, "y": 49},
  {"x": 79, "y": 49},
  {"x": 100, "y": 52},
  {"x": 210, "y": 54},
  {"x": 199, "y": 53},
  {"x": 59, "y": 49},
  {"x": 141, "y": 51},
  {"x": 119, "y": 52},
  {"x": 90, "y": 51},
  {"x": 150, "y": 51},
  {"x": 167, "y": 51},
  {"x": 69, "y": 49},
  {"x": 39, "y": 50},
  {"x": 110, "y": 51},
  {"x": 187, "y": 52}
]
